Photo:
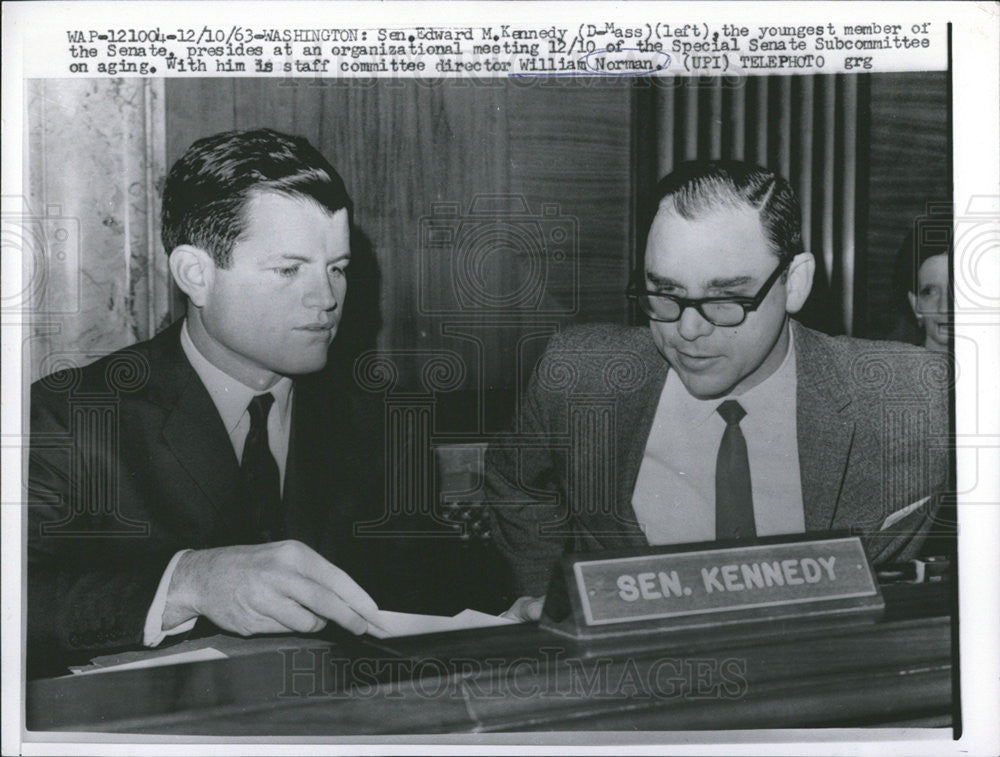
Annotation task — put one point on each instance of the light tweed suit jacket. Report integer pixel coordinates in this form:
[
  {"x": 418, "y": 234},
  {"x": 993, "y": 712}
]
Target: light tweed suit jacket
[{"x": 872, "y": 427}]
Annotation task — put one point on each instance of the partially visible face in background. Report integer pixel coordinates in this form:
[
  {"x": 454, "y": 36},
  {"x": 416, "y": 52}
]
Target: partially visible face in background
[{"x": 932, "y": 302}]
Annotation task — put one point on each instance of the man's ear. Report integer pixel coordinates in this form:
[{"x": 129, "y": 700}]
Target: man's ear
[
  {"x": 799, "y": 281},
  {"x": 913, "y": 306},
  {"x": 193, "y": 270}
]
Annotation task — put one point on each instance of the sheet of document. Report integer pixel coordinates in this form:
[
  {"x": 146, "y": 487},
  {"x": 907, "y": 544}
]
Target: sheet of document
[
  {"x": 897, "y": 516},
  {"x": 196, "y": 655},
  {"x": 384, "y": 624}
]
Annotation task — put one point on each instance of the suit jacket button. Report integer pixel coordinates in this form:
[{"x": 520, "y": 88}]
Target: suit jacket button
[{"x": 74, "y": 639}]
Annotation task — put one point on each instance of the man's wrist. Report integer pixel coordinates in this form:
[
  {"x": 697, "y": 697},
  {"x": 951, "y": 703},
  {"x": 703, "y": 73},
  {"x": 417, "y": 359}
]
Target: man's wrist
[{"x": 182, "y": 596}]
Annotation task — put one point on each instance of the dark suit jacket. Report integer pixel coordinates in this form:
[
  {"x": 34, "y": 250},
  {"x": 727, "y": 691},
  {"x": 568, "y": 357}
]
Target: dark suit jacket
[
  {"x": 872, "y": 429},
  {"x": 130, "y": 462}
]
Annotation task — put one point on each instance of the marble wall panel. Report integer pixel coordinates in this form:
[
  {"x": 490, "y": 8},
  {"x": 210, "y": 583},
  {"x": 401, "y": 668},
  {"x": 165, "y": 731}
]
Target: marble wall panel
[{"x": 96, "y": 164}]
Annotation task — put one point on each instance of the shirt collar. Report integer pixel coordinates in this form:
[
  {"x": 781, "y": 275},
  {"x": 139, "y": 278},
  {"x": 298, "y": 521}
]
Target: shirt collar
[
  {"x": 231, "y": 397},
  {"x": 770, "y": 395}
]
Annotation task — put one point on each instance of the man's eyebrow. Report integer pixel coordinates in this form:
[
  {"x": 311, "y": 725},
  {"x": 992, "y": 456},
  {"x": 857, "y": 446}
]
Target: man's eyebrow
[
  {"x": 661, "y": 281},
  {"x": 290, "y": 256},
  {"x": 717, "y": 283},
  {"x": 729, "y": 283}
]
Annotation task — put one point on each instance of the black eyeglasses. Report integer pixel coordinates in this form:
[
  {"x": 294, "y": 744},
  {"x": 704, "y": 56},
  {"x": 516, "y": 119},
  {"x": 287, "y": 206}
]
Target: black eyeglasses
[{"x": 719, "y": 311}]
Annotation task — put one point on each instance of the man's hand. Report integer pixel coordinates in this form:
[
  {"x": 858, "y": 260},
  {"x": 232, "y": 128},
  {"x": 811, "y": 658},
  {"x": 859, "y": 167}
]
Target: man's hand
[
  {"x": 268, "y": 588},
  {"x": 525, "y": 608}
]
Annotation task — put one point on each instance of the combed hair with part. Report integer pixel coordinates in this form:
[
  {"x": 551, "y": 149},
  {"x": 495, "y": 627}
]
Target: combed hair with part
[
  {"x": 208, "y": 189},
  {"x": 696, "y": 188}
]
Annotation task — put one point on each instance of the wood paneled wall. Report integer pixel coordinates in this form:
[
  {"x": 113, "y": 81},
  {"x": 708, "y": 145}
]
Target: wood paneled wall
[
  {"x": 426, "y": 159},
  {"x": 910, "y": 171}
]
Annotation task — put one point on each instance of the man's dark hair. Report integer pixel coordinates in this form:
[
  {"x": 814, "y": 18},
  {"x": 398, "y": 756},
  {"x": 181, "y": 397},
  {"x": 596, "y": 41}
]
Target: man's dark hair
[
  {"x": 208, "y": 189},
  {"x": 699, "y": 187},
  {"x": 929, "y": 235}
]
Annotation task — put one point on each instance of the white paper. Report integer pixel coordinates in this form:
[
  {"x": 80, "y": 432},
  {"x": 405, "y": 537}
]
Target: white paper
[
  {"x": 385, "y": 624},
  {"x": 197, "y": 655},
  {"x": 900, "y": 514}
]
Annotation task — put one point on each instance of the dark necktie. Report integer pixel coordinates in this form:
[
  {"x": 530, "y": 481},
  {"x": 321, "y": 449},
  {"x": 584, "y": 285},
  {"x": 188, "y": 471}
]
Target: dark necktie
[
  {"x": 261, "y": 480},
  {"x": 733, "y": 495}
]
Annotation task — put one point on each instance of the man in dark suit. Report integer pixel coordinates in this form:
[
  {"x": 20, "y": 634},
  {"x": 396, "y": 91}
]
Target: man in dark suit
[
  {"x": 724, "y": 419},
  {"x": 213, "y": 472}
]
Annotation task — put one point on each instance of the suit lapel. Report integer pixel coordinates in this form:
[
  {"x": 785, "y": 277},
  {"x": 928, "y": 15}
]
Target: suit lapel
[
  {"x": 326, "y": 470},
  {"x": 633, "y": 432},
  {"x": 634, "y": 415},
  {"x": 194, "y": 431},
  {"x": 311, "y": 437},
  {"x": 825, "y": 432}
]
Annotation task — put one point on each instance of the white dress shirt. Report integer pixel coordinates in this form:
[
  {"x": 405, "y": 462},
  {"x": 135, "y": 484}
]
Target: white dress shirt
[
  {"x": 674, "y": 495},
  {"x": 231, "y": 399}
]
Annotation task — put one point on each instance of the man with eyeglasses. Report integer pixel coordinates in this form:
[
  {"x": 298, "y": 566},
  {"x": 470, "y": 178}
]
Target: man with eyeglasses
[{"x": 725, "y": 419}]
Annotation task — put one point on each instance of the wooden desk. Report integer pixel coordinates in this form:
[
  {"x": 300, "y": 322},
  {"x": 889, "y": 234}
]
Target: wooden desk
[{"x": 521, "y": 678}]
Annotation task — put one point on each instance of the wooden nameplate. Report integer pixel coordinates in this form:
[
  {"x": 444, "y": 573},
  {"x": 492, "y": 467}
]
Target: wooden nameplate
[{"x": 711, "y": 584}]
